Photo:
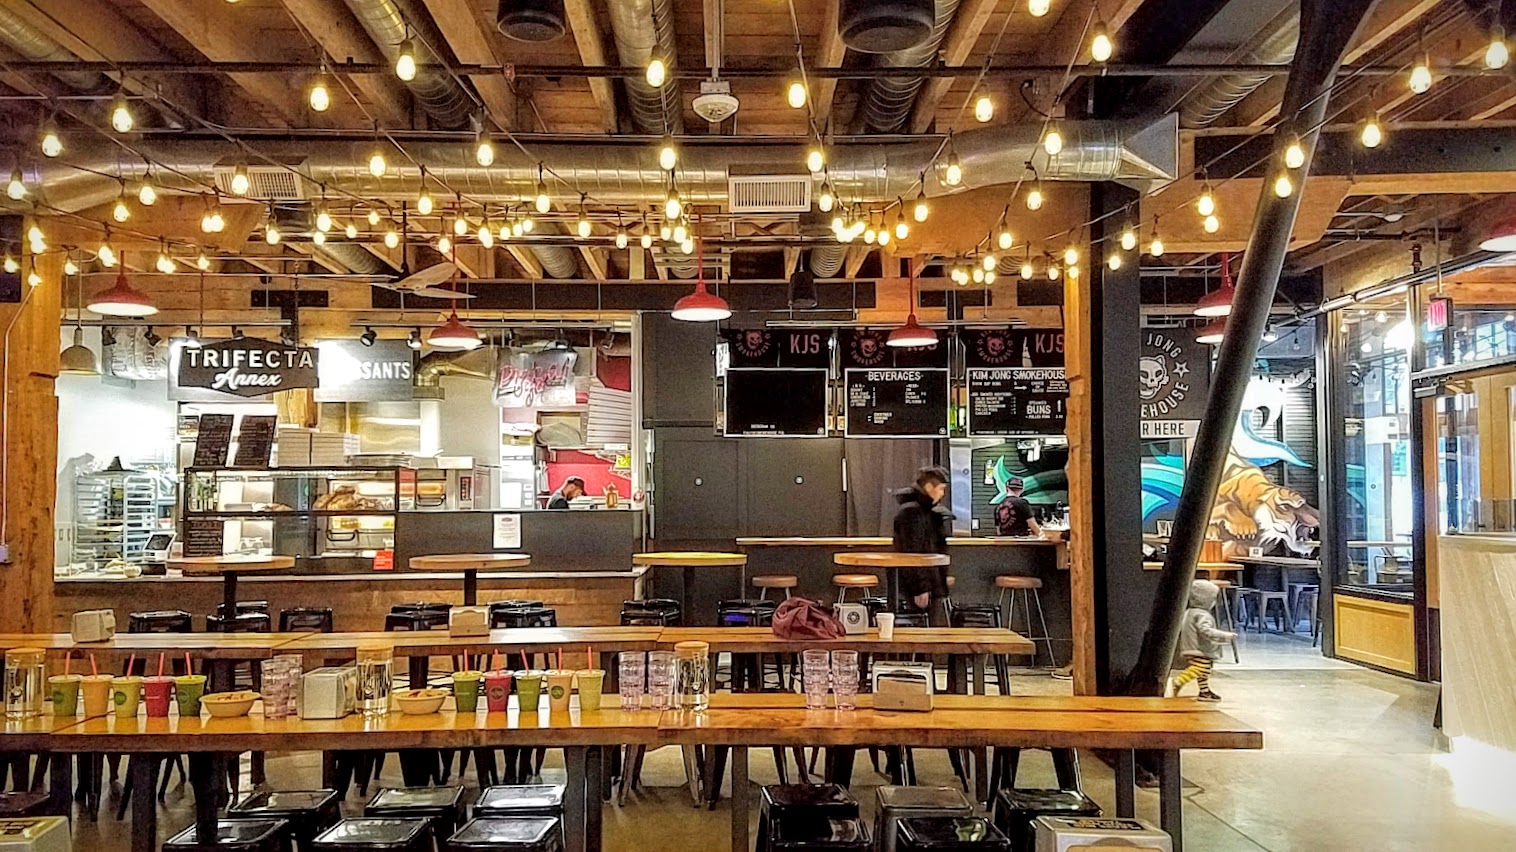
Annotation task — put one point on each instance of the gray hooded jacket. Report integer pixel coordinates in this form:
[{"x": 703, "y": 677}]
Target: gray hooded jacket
[{"x": 1198, "y": 636}]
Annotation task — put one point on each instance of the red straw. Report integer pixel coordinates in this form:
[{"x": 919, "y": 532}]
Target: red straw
[
  {"x": 525, "y": 663},
  {"x": 68, "y": 662},
  {"x": 160, "y": 664},
  {"x": 94, "y": 669},
  {"x": 130, "y": 662},
  {"x": 560, "y": 659},
  {"x": 189, "y": 667}
]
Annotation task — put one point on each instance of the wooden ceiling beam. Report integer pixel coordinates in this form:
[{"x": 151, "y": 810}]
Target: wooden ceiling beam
[
  {"x": 595, "y": 259},
  {"x": 829, "y": 54},
  {"x": 583, "y": 21},
  {"x": 340, "y": 35},
  {"x": 962, "y": 35},
  {"x": 528, "y": 261},
  {"x": 472, "y": 43},
  {"x": 216, "y": 35},
  {"x": 856, "y": 255}
]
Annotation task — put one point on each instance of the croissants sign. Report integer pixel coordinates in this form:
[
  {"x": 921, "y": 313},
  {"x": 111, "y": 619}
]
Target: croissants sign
[{"x": 247, "y": 367}]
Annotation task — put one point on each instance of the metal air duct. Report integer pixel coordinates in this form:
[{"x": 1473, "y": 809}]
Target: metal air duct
[
  {"x": 1274, "y": 45},
  {"x": 882, "y": 26},
  {"x": 19, "y": 35},
  {"x": 354, "y": 257},
  {"x": 641, "y": 28},
  {"x": 532, "y": 20},
  {"x": 826, "y": 260},
  {"x": 471, "y": 364},
  {"x": 887, "y": 101},
  {"x": 557, "y": 261},
  {"x": 442, "y": 96}
]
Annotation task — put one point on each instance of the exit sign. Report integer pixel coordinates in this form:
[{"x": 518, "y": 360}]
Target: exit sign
[{"x": 1439, "y": 313}]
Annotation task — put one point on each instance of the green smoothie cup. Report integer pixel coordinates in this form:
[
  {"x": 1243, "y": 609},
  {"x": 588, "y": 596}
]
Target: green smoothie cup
[
  {"x": 64, "y": 690},
  {"x": 466, "y": 691},
  {"x": 529, "y": 689},
  {"x": 187, "y": 691},
  {"x": 590, "y": 682}
]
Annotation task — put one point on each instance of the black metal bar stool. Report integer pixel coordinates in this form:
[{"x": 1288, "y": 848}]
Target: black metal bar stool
[
  {"x": 652, "y": 612},
  {"x": 306, "y": 619},
  {"x": 441, "y": 806},
  {"x": 371, "y": 834},
  {"x": 308, "y": 812},
  {"x": 950, "y": 834},
  {"x": 1015, "y": 811},
  {"x": 506, "y": 834},
  {"x": 235, "y": 835},
  {"x": 794, "y": 806}
]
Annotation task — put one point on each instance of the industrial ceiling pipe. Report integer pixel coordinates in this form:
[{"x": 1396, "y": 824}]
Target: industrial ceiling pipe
[
  {"x": 437, "y": 92},
  {"x": 643, "y": 29},
  {"x": 887, "y": 101}
]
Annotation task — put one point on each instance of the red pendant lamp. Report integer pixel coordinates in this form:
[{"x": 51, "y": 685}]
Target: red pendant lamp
[
  {"x": 701, "y": 305},
  {"x": 122, "y": 300},
  {"x": 1218, "y": 302},
  {"x": 912, "y": 333},
  {"x": 1213, "y": 332},
  {"x": 454, "y": 334}
]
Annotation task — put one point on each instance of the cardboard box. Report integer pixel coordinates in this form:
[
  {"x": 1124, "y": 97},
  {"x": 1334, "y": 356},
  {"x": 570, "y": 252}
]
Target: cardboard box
[
  {"x": 1067, "y": 834},
  {"x": 35, "y": 834}
]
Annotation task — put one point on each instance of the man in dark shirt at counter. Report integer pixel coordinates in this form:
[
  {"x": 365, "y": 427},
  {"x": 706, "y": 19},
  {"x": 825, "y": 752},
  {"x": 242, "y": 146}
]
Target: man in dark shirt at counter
[
  {"x": 923, "y": 526},
  {"x": 571, "y": 488},
  {"x": 1014, "y": 516}
]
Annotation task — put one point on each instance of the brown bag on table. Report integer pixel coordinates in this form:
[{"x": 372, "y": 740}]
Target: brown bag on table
[{"x": 798, "y": 618}]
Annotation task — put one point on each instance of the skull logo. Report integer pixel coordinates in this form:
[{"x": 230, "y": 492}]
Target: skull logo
[{"x": 1153, "y": 372}]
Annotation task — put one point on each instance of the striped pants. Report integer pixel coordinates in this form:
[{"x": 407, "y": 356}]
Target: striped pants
[{"x": 1199, "y": 670}]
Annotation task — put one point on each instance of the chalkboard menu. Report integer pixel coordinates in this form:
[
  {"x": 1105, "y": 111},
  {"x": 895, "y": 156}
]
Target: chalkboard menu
[
  {"x": 776, "y": 402},
  {"x": 897, "y": 403},
  {"x": 255, "y": 441},
  {"x": 213, "y": 440},
  {"x": 1017, "y": 400},
  {"x": 202, "y": 537}
]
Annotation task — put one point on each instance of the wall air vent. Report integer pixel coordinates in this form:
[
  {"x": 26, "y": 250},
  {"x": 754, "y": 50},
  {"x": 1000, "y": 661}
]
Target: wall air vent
[
  {"x": 266, "y": 182},
  {"x": 769, "y": 193}
]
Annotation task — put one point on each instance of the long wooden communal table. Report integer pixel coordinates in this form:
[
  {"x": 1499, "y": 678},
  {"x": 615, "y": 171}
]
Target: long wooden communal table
[
  {"x": 221, "y": 652},
  {"x": 1126, "y": 725}
]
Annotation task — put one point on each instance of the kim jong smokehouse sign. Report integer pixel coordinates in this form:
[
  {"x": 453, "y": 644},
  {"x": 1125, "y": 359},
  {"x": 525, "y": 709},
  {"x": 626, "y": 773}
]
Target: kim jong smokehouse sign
[{"x": 247, "y": 367}]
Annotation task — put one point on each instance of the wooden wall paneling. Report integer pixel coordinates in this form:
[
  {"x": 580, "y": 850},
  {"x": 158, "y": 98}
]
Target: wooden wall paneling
[{"x": 1376, "y": 632}]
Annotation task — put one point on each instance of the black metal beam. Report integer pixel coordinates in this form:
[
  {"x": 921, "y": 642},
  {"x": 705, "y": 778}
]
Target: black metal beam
[
  {"x": 1326, "y": 30},
  {"x": 1405, "y": 151}
]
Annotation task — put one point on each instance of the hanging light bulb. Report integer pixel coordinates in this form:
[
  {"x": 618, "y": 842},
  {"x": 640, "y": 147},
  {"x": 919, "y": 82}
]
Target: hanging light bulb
[
  {"x": 688, "y": 246},
  {"x": 271, "y": 233},
  {"x": 826, "y": 199},
  {"x": 351, "y": 231},
  {"x": 69, "y": 267},
  {"x": 1052, "y": 140},
  {"x": 121, "y": 114},
  {"x": 1053, "y": 272},
  {"x": 165, "y": 264},
  {"x": 1026, "y": 269},
  {"x": 672, "y": 206},
  {"x": 1155, "y": 248},
  {"x": 1205, "y": 205},
  {"x": 377, "y": 165},
  {"x": 1211, "y": 224},
  {"x": 518, "y": 227},
  {"x": 1421, "y": 76},
  {"x": 202, "y": 262},
  {"x": 444, "y": 245},
  {"x": 920, "y": 210},
  {"x": 33, "y": 279},
  {"x": 15, "y": 188},
  {"x": 838, "y": 224},
  {"x": 953, "y": 176},
  {"x": 319, "y": 238},
  {"x": 1283, "y": 186},
  {"x": 645, "y": 239},
  {"x": 668, "y": 154},
  {"x": 1101, "y": 45},
  {"x": 1006, "y": 239},
  {"x": 1128, "y": 237},
  {"x": 1034, "y": 197},
  {"x": 320, "y": 94},
  {"x": 1498, "y": 53},
  {"x": 883, "y": 235},
  {"x": 460, "y": 223},
  {"x": 528, "y": 223},
  {"x": 323, "y": 220},
  {"x": 51, "y": 143},
  {"x": 795, "y": 94},
  {"x": 990, "y": 276},
  {"x": 213, "y": 222},
  {"x": 869, "y": 234},
  {"x": 984, "y": 108},
  {"x": 991, "y": 261},
  {"x": 978, "y": 275},
  {"x": 505, "y": 227},
  {"x": 11, "y": 264},
  {"x": 902, "y": 230},
  {"x": 106, "y": 254},
  {"x": 621, "y": 236},
  {"x": 544, "y": 201},
  {"x": 391, "y": 238},
  {"x": 665, "y": 230},
  {"x": 405, "y": 61},
  {"x": 815, "y": 159},
  {"x": 680, "y": 232},
  {"x": 583, "y": 226},
  {"x": 1038, "y": 8},
  {"x": 1113, "y": 260},
  {"x": 484, "y": 149},
  {"x": 1070, "y": 255},
  {"x": 657, "y": 72},
  {"x": 1294, "y": 154},
  {"x": 119, "y": 211},
  {"x": 241, "y": 182},
  {"x": 486, "y": 235},
  {"x": 1372, "y": 133},
  {"x": 1072, "y": 272},
  {"x": 147, "y": 193},
  {"x": 373, "y": 217}
]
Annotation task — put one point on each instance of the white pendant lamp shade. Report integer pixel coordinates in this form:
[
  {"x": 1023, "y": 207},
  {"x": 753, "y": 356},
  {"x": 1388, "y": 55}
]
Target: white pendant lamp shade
[
  {"x": 1502, "y": 237},
  {"x": 1213, "y": 332},
  {"x": 122, "y": 300}
]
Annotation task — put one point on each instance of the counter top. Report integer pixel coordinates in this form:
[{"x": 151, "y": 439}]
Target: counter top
[
  {"x": 368, "y": 577},
  {"x": 884, "y": 541}
]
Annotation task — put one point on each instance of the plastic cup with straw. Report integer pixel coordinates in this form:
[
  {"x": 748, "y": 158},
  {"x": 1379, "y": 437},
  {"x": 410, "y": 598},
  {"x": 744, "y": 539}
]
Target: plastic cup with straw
[
  {"x": 188, "y": 689},
  {"x": 63, "y": 689},
  {"x": 158, "y": 691},
  {"x": 95, "y": 691}
]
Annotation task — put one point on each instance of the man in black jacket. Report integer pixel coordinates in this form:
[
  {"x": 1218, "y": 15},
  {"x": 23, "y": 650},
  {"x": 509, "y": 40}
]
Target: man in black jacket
[{"x": 921, "y": 526}]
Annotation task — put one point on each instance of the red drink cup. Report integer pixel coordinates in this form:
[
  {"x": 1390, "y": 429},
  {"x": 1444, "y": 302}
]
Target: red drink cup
[
  {"x": 497, "y": 691},
  {"x": 157, "y": 692}
]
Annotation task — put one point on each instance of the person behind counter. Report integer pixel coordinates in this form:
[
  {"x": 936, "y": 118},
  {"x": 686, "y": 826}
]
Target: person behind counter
[
  {"x": 922, "y": 526},
  {"x": 572, "y": 488},
  {"x": 1014, "y": 515}
]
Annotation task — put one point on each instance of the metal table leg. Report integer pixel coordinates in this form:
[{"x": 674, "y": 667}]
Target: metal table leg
[
  {"x": 207, "y": 771},
  {"x": 740, "y": 803},
  {"x": 143, "y": 769},
  {"x": 229, "y": 598},
  {"x": 471, "y": 587},
  {"x": 1170, "y": 797},
  {"x": 1126, "y": 783}
]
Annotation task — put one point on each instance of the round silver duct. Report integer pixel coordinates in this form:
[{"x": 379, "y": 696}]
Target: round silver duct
[
  {"x": 883, "y": 26},
  {"x": 532, "y": 20}
]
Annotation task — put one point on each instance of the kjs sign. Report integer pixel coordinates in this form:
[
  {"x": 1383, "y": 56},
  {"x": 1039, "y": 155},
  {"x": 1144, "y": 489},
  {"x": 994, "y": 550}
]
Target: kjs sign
[{"x": 247, "y": 367}]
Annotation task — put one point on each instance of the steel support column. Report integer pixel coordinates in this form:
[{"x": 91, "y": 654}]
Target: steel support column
[{"x": 1326, "y": 30}]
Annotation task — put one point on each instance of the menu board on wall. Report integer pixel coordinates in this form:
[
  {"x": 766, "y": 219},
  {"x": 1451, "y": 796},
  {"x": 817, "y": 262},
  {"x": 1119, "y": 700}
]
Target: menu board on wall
[
  {"x": 1017, "y": 400},
  {"x": 775, "y": 402},
  {"x": 255, "y": 441},
  {"x": 897, "y": 403},
  {"x": 1174, "y": 379},
  {"x": 202, "y": 537},
  {"x": 213, "y": 440}
]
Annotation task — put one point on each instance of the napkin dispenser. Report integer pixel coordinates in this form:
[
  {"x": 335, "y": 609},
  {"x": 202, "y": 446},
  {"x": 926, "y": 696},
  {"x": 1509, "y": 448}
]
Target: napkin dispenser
[
  {"x": 330, "y": 692},
  {"x": 854, "y": 617},
  {"x": 94, "y": 625},
  {"x": 903, "y": 686},
  {"x": 469, "y": 621},
  {"x": 1068, "y": 834}
]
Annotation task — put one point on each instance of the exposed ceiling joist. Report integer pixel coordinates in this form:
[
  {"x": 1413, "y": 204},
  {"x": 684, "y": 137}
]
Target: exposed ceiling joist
[
  {"x": 829, "y": 53},
  {"x": 333, "y": 26},
  {"x": 471, "y": 44},
  {"x": 595, "y": 259},
  {"x": 586, "y": 29},
  {"x": 217, "y": 36},
  {"x": 528, "y": 261}
]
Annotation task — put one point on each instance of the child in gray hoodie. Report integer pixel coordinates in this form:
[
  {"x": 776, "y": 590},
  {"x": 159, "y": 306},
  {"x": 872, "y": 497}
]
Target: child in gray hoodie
[{"x": 1199, "y": 640}]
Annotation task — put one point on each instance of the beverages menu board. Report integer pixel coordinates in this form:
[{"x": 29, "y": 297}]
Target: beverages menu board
[
  {"x": 896, "y": 403},
  {"x": 1017, "y": 400},
  {"x": 776, "y": 402}
]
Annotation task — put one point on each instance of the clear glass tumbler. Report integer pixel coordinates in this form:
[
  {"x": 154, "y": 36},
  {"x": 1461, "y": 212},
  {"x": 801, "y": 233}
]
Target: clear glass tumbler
[
  {"x": 632, "y": 667},
  {"x": 25, "y": 683},
  {"x": 692, "y": 675},
  {"x": 845, "y": 679},
  {"x": 376, "y": 678},
  {"x": 815, "y": 671},
  {"x": 660, "y": 679}
]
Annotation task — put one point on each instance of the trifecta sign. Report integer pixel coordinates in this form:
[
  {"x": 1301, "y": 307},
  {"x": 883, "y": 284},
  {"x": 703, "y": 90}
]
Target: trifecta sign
[
  {"x": 247, "y": 367},
  {"x": 352, "y": 372}
]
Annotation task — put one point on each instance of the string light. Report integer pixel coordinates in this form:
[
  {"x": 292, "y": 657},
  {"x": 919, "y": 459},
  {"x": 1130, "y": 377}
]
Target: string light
[
  {"x": 506, "y": 227},
  {"x": 320, "y": 94},
  {"x": 657, "y": 72},
  {"x": 460, "y": 223},
  {"x": 69, "y": 267},
  {"x": 1372, "y": 133},
  {"x": 202, "y": 262},
  {"x": 121, "y": 114},
  {"x": 1294, "y": 154},
  {"x": 583, "y": 226},
  {"x": 1052, "y": 140},
  {"x": 486, "y": 234},
  {"x": 1071, "y": 255},
  {"x": 484, "y": 149},
  {"x": 815, "y": 159},
  {"x": 405, "y": 61},
  {"x": 1038, "y": 8},
  {"x": 621, "y": 235},
  {"x": 33, "y": 279},
  {"x": 319, "y": 238},
  {"x": 991, "y": 261},
  {"x": 120, "y": 212},
  {"x": 673, "y": 208},
  {"x": 688, "y": 246},
  {"x": 978, "y": 275},
  {"x": 11, "y": 264},
  {"x": 1211, "y": 224},
  {"x": 15, "y": 188},
  {"x": 1205, "y": 205},
  {"x": 902, "y": 230},
  {"x": 1026, "y": 269},
  {"x": 795, "y": 95},
  {"x": 164, "y": 263},
  {"x": 1498, "y": 53},
  {"x": 518, "y": 227},
  {"x": 147, "y": 193},
  {"x": 668, "y": 154},
  {"x": 920, "y": 211},
  {"x": 241, "y": 182},
  {"x": 323, "y": 219},
  {"x": 645, "y": 239},
  {"x": 1155, "y": 248},
  {"x": 445, "y": 244},
  {"x": 1283, "y": 186},
  {"x": 1128, "y": 237},
  {"x": 1113, "y": 260},
  {"x": 106, "y": 254},
  {"x": 665, "y": 230},
  {"x": 953, "y": 176},
  {"x": 869, "y": 234},
  {"x": 1034, "y": 197},
  {"x": 884, "y": 233},
  {"x": 37, "y": 239},
  {"x": 391, "y": 238},
  {"x": 271, "y": 233},
  {"x": 373, "y": 217},
  {"x": 680, "y": 233},
  {"x": 351, "y": 231},
  {"x": 424, "y": 202},
  {"x": 826, "y": 199},
  {"x": 1072, "y": 273},
  {"x": 1421, "y": 76},
  {"x": 984, "y": 108},
  {"x": 376, "y": 163},
  {"x": 1101, "y": 45},
  {"x": 989, "y": 276},
  {"x": 528, "y": 223},
  {"x": 52, "y": 143},
  {"x": 1053, "y": 272},
  {"x": 544, "y": 201}
]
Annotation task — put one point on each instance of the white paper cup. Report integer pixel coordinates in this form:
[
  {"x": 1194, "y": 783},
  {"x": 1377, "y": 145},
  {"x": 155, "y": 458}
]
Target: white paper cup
[{"x": 886, "y": 622}]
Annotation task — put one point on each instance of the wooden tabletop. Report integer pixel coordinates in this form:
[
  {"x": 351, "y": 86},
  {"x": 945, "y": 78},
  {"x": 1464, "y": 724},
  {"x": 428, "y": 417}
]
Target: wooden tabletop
[
  {"x": 437, "y": 643},
  {"x": 881, "y": 541},
  {"x": 202, "y": 565},
  {"x": 1200, "y": 566},
  {"x": 463, "y": 561},
  {"x": 891, "y": 559},
  {"x": 690, "y": 558},
  {"x": 907, "y": 640},
  {"x": 1278, "y": 561},
  {"x": 208, "y": 646}
]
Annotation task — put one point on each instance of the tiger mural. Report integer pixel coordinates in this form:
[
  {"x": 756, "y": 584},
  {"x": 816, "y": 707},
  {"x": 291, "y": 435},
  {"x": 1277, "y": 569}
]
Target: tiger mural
[{"x": 1250, "y": 511}]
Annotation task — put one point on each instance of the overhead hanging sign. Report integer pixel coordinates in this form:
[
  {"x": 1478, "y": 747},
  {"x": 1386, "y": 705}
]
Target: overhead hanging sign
[
  {"x": 806, "y": 348},
  {"x": 246, "y": 367},
  {"x": 867, "y": 348},
  {"x": 352, "y": 372},
  {"x": 896, "y": 403},
  {"x": 1017, "y": 400},
  {"x": 535, "y": 379},
  {"x": 1012, "y": 347},
  {"x": 1174, "y": 378}
]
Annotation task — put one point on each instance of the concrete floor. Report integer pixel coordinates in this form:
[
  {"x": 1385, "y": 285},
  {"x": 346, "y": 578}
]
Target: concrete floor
[{"x": 1351, "y": 762}]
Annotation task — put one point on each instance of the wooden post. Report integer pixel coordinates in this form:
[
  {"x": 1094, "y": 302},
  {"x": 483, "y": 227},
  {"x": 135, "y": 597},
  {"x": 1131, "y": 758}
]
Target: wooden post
[
  {"x": 29, "y": 420},
  {"x": 1081, "y": 476}
]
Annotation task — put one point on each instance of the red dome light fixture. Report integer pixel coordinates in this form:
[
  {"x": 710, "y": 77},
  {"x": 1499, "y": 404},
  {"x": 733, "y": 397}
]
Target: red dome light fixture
[
  {"x": 1218, "y": 302},
  {"x": 1213, "y": 332},
  {"x": 912, "y": 333},
  {"x": 454, "y": 334},
  {"x": 701, "y": 305},
  {"x": 122, "y": 300}
]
